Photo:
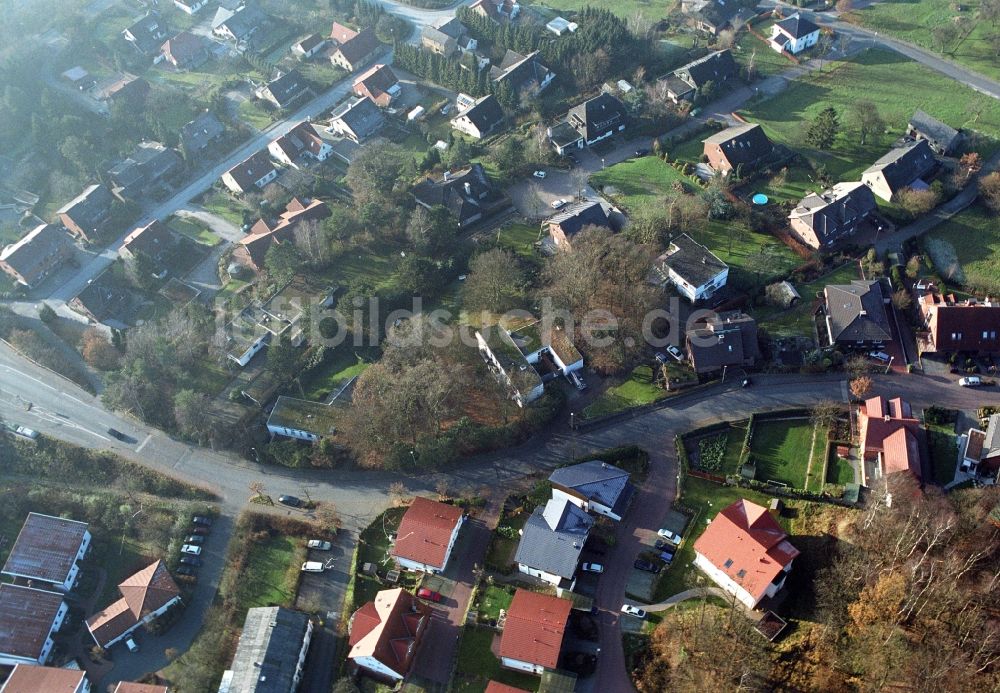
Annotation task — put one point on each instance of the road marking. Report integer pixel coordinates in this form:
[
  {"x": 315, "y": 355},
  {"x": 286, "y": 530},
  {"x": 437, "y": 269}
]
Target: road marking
[
  {"x": 143, "y": 444},
  {"x": 25, "y": 375}
]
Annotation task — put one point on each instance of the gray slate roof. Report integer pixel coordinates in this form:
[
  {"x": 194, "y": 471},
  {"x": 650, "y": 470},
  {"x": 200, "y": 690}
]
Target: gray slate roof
[
  {"x": 900, "y": 166},
  {"x": 268, "y": 652},
  {"x": 553, "y": 538},
  {"x": 596, "y": 116},
  {"x": 714, "y": 67},
  {"x": 929, "y": 127},
  {"x": 363, "y": 118},
  {"x": 485, "y": 114},
  {"x": 797, "y": 26},
  {"x": 743, "y": 144},
  {"x": 287, "y": 88},
  {"x": 599, "y": 481},
  {"x": 857, "y": 311},
  {"x": 197, "y": 134},
  {"x": 691, "y": 260},
  {"x": 579, "y": 214},
  {"x": 838, "y": 208}
]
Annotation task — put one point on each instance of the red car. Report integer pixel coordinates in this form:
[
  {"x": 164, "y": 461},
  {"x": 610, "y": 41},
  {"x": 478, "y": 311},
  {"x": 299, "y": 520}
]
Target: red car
[{"x": 429, "y": 595}]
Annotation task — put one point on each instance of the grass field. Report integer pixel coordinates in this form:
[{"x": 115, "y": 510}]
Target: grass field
[
  {"x": 477, "y": 665},
  {"x": 374, "y": 548},
  {"x": 781, "y": 450},
  {"x": 766, "y": 61},
  {"x": 838, "y": 470},
  {"x": 639, "y": 389},
  {"x": 492, "y": 600},
  {"x": 651, "y": 9},
  {"x": 519, "y": 238},
  {"x": 904, "y": 86},
  {"x": 914, "y": 20},
  {"x": 221, "y": 204},
  {"x": 943, "y": 445},
  {"x": 735, "y": 435},
  {"x": 346, "y": 364},
  {"x": 264, "y": 580},
  {"x": 966, "y": 249},
  {"x": 255, "y": 116},
  {"x": 639, "y": 182},
  {"x": 798, "y": 319},
  {"x": 816, "y": 476},
  {"x": 195, "y": 231}
]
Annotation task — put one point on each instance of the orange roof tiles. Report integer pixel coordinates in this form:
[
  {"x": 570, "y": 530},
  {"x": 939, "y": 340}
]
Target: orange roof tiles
[
  {"x": 887, "y": 427},
  {"x": 129, "y": 687},
  {"x": 494, "y": 687},
  {"x": 425, "y": 531},
  {"x": 534, "y": 629},
  {"x": 388, "y": 629},
  {"x": 29, "y": 678},
  {"x": 142, "y": 594}
]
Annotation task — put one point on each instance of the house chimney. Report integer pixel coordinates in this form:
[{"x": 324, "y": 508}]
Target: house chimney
[{"x": 468, "y": 189}]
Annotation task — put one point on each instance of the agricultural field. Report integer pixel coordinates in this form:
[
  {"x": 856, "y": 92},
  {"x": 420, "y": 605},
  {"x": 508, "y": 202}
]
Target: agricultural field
[{"x": 965, "y": 250}]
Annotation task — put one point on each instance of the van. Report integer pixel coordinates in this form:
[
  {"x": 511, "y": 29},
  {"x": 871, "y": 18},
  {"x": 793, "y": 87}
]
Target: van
[
  {"x": 130, "y": 644},
  {"x": 312, "y": 567}
]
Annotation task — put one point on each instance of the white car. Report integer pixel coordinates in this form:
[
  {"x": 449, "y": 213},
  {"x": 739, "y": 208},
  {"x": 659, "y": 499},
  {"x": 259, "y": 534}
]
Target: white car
[
  {"x": 319, "y": 544},
  {"x": 669, "y": 536},
  {"x": 633, "y": 611},
  {"x": 593, "y": 568},
  {"x": 676, "y": 353},
  {"x": 558, "y": 204},
  {"x": 26, "y": 432},
  {"x": 970, "y": 381},
  {"x": 312, "y": 567},
  {"x": 880, "y": 356},
  {"x": 539, "y": 174},
  {"x": 191, "y": 550}
]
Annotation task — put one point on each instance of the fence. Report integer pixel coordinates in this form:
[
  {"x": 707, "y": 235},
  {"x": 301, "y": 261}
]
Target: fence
[{"x": 698, "y": 474}]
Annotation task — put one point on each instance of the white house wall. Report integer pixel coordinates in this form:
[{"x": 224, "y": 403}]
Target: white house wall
[
  {"x": 724, "y": 581},
  {"x": 521, "y": 665},
  {"x": 377, "y": 667}
]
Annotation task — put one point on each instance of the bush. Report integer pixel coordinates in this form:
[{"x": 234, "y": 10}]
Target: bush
[
  {"x": 936, "y": 416},
  {"x": 711, "y": 452}
]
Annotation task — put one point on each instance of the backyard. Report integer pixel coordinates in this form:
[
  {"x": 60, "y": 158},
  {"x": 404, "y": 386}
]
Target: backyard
[
  {"x": 267, "y": 577},
  {"x": 838, "y": 470},
  {"x": 966, "y": 249},
  {"x": 373, "y": 548},
  {"x": 798, "y": 320},
  {"x": 477, "y": 665},
  {"x": 194, "y": 230},
  {"x": 943, "y": 446},
  {"x": 781, "y": 450},
  {"x": 346, "y": 363},
  {"x": 718, "y": 452},
  {"x": 519, "y": 238}
]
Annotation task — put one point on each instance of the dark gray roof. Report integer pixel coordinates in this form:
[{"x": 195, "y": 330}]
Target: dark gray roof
[
  {"x": 452, "y": 193},
  {"x": 596, "y": 116},
  {"x": 450, "y": 26},
  {"x": 197, "y": 134},
  {"x": 359, "y": 47},
  {"x": 149, "y": 162},
  {"x": 834, "y": 211},
  {"x": 596, "y": 480},
  {"x": 252, "y": 169},
  {"x": 743, "y": 144},
  {"x": 288, "y": 87},
  {"x": 438, "y": 37},
  {"x": 714, "y": 67},
  {"x": 730, "y": 339},
  {"x": 148, "y": 33},
  {"x": 362, "y": 117},
  {"x": 857, "y": 311},
  {"x": 90, "y": 208},
  {"x": 695, "y": 263},
  {"x": 903, "y": 165},
  {"x": 240, "y": 23},
  {"x": 519, "y": 70},
  {"x": 579, "y": 214},
  {"x": 797, "y": 26},
  {"x": 553, "y": 538},
  {"x": 718, "y": 13},
  {"x": 942, "y": 135},
  {"x": 268, "y": 652},
  {"x": 485, "y": 114},
  {"x": 563, "y": 134}
]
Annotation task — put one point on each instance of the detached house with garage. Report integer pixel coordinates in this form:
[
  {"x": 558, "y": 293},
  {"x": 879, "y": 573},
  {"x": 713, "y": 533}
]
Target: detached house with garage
[
  {"x": 728, "y": 340},
  {"x": 47, "y": 552},
  {"x": 29, "y": 618},
  {"x": 480, "y": 120},
  {"x": 354, "y": 49},
  {"x": 573, "y": 218},
  {"x": 745, "y": 552},
  {"x": 522, "y": 72},
  {"x": 551, "y": 542},
  {"x": 588, "y": 123},
  {"x": 426, "y": 535},
  {"x": 357, "y": 120},
  {"x": 901, "y": 168},
  {"x": 822, "y": 219},
  {"x": 146, "y": 34},
  {"x": 250, "y": 175},
  {"x": 200, "y": 133},
  {"x": 794, "y": 34},
  {"x": 309, "y": 46},
  {"x": 284, "y": 91},
  {"x": 856, "y": 314},
  {"x": 386, "y": 633},
  {"x": 145, "y": 595},
  {"x": 185, "y": 51},
  {"x": 533, "y": 633},
  {"x": 891, "y": 439},
  {"x": 379, "y": 83},
  {"x": 693, "y": 269},
  {"x": 299, "y": 143},
  {"x": 741, "y": 148},
  {"x": 468, "y": 194},
  {"x": 594, "y": 486},
  {"x": 41, "y": 251}
]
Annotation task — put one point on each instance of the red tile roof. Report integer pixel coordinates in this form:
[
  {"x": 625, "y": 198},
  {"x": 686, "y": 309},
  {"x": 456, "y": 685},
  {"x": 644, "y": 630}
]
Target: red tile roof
[
  {"x": 880, "y": 422},
  {"x": 341, "y": 33},
  {"x": 748, "y": 545},
  {"x": 129, "y": 687},
  {"x": 142, "y": 594},
  {"x": 494, "y": 687},
  {"x": 28, "y": 678},
  {"x": 388, "y": 629},
  {"x": 901, "y": 452},
  {"x": 534, "y": 629},
  {"x": 425, "y": 531}
]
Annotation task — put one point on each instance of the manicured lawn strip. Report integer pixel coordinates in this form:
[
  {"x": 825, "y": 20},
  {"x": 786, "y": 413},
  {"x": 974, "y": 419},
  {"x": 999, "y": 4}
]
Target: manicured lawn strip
[
  {"x": 838, "y": 470},
  {"x": 816, "y": 476},
  {"x": 623, "y": 8},
  {"x": 477, "y": 664},
  {"x": 798, "y": 319},
  {"x": 519, "y": 238},
  {"x": 265, "y": 577},
  {"x": 781, "y": 450},
  {"x": 966, "y": 249},
  {"x": 492, "y": 600},
  {"x": 943, "y": 445},
  {"x": 195, "y": 231}
]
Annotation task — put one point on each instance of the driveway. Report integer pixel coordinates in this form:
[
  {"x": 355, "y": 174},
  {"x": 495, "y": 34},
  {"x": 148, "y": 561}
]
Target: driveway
[{"x": 323, "y": 594}]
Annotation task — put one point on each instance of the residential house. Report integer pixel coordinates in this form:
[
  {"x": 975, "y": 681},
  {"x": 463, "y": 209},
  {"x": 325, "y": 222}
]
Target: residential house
[
  {"x": 480, "y": 120},
  {"x": 588, "y": 123},
  {"x": 497, "y": 10},
  {"x": 981, "y": 450},
  {"x": 533, "y": 633},
  {"x": 437, "y": 41},
  {"x": 794, "y": 34},
  {"x": 105, "y": 300},
  {"x": 238, "y": 25},
  {"x": 856, "y": 314},
  {"x": 301, "y": 141},
  {"x": 496, "y": 687},
  {"x": 728, "y": 339},
  {"x": 258, "y": 325},
  {"x": 379, "y": 83},
  {"x": 745, "y": 552},
  {"x": 386, "y": 633},
  {"x": 129, "y": 687},
  {"x": 942, "y": 138},
  {"x": 694, "y": 270},
  {"x": 42, "y": 250},
  {"x": 198, "y": 134},
  {"x": 31, "y": 678},
  {"x": 271, "y": 652},
  {"x": 147, "y": 33},
  {"x": 301, "y": 419},
  {"x": 47, "y": 552},
  {"x": 251, "y": 250},
  {"x": 148, "y": 164},
  {"x": 684, "y": 83},
  {"x": 309, "y": 46},
  {"x": 714, "y": 16},
  {"x": 741, "y": 148},
  {"x": 354, "y": 52},
  {"x": 250, "y": 175},
  {"x": 468, "y": 194},
  {"x": 285, "y": 90},
  {"x": 426, "y": 535},
  {"x": 185, "y": 51},
  {"x": 79, "y": 78},
  {"x": 522, "y": 72},
  {"x": 954, "y": 326},
  {"x": 190, "y": 6},
  {"x": 890, "y": 438},
  {"x": 29, "y": 618},
  {"x": 551, "y": 542},
  {"x": 561, "y": 25},
  {"x": 124, "y": 89},
  {"x": 594, "y": 486},
  {"x": 570, "y": 220},
  {"x": 822, "y": 219},
  {"x": 357, "y": 120},
  {"x": 156, "y": 241},
  {"x": 145, "y": 596},
  {"x": 900, "y": 168}
]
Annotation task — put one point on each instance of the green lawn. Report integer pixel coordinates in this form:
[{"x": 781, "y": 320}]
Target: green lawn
[
  {"x": 373, "y": 547},
  {"x": 519, "y": 238},
  {"x": 221, "y": 204},
  {"x": 477, "y": 665},
  {"x": 838, "y": 470},
  {"x": 194, "y": 230},
  {"x": 792, "y": 185},
  {"x": 491, "y": 600},
  {"x": 640, "y": 182},
  {"x": 766, "y": 61},
  {"x": 943, "y": 445},
  {"x": 265, "y": 575},
  {"x": 914, "y": 20},
  {"x": 254, "y": 115},
  {"x": 346, "y": 364},
  {"x": 639, "y": 389},
  {"x": 781, "y": 450},
  {"x": 966, "y": 249},
  {"x": 816, "y": 476},
  {"x": 735, "y": 434},
  {"x": 798, "y": 319}
]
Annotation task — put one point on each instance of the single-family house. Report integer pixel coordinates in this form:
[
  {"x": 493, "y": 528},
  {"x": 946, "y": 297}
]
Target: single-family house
[
  {"x": 856, "y": 314},
  {"x": 597, "y": 119},
  {"x": 201, "y": 132},
  {"x": 185, "y": 51},
  {"x": 551, "y": 542},
  {"x": 570, "y": 220},
  {"x": 29, "y": 617},
  {"x": 426, "y": 535},
  {"x": 251, "y": 250},
  {"x": 714, "y": 16},
  {"x": 130, "y": 687},
  {"x": 822, "y": 219},
  {"x": 684, "y": 83},
  {"x": 105, "y": 300},
  {"x": 271, "y": 652},
  {"x": 386, "y": 633},
  {"x": 86, "y": 214},
  {"x": 155, "y": 240},
  {"x": 794, "y": 34},
  {"x": 285, "y": 90},
  {"x": 533, "y": 633},
  {"x": 497, "y": 10},
  {"x": 594, "y": 486},
  {"x": 32, "y": 678},
  {"x": 379, "y": 83},
  {"x": 146, "y": 34},
  {"x": 437, "y": 41},
  {"x": 745, "y": 552},
  {"x": 30, "y": 260},
  {"x": 468, "y": 194},
  {"x": 354, "y": 51},
  {"x": 238, "y": 25},
  {"x": 47, "y": 552},
  {"x": 902, "y": 167},
  {"x": 942, "y": 138},
  {"x": 890, "y": 438},
  {"x": 145, "y": 596},
  {"x": 78, "y": 78},
  {"x": 981, "y": 450},
  {"x": 953, "y": 326},
  {"x": 357, "y": 120},
  {"x": 729, "y": 339},
  {"x": 309, "y": 46},
  {"x": 522, "y": 72},
  {"x": 480, "y": 120},
  {"x": 301, "y": 419},
  {"x": 123, "y": 89},
  {"x": 740, "y": 148},
  {"x": 301, "y": 141},
  {"x": 250, "y": 175},
  {"x": 694, "y": 270},
  {"x": 190, "y": 6},
  {"x": 148, "y": 164}
]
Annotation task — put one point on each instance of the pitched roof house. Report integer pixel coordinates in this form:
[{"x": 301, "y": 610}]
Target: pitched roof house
[
  {"x": 891, "y": 439},
  {"x": 31, "y": 678},
  {"x": 47, "y": 551},
  {"x": 594, "y": 486},
  {"x": 941, "y": 137},
  {"x": 437, "y": 41},
  {"x": 684, "y": 82},
  {"x": 522, "y": 72},
  {"x": 155, "y": 240},
  {"x": 301, "y": 141},
  {"x": 694, "y": 270},
  {"x": 238, "y": 24},
  {"x": 284, "y": 90},
  {"x": 468, "y": 194},
  {"x": 145, "y": 595},
  {"x": 149, "y": 163},
  {"x": 728, "y": 339},
  {"x": 354, "y": 52},
  {"x": 251, "y": 250},
  {"x": 199, "y": 133},
  {"x": 271, "y": 652},
  {"x": 551, "y": 542},
  {"x": 385, "y": 634},
  {"x": 189, "y": 7},
  {"x": 954, "y": 326},
  {"x": 130, "y": 687},
  {"x": 740, "y": 147},
  {"x": 250, "y": 175},
  {"x": 494, "y": 686},
  {"x": 745, "y": 552},
  {"x": 86, "y": 213},
  {"x": 379, "y": 83},
  {"x": 533, "y": 634},
  {"x": 308, "y": 46},
  {"x": 146, "y": 34},
  {"x": 496, "y": 10},
  {"x": 426, "y": 535},
  {"x": 570, "y": 220},
  {"x": 598, "y": 118},
  {"x": 981, "y": 452},
  {"x": 715, "y": 15},
  {"x": 357, "y": 120},
  {"x": 42, "y": 250},
  {"x": 481, "y": 119},
  {"x": 185, "y": 51},
  {"x": 794, "y": 34},
  {"x": 900, "y": 168},
  {"x": 855, "y": 314},
  {"x": 822, "y": 219},
  {"x": 28, "y": 619}
]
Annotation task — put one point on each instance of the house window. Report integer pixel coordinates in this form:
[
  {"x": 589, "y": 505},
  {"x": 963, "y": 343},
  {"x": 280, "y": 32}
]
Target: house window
[
  {"x": 728, "y": 563},
  {"x": 986, "y": 334},
  {"x": 741, "y": 574}
]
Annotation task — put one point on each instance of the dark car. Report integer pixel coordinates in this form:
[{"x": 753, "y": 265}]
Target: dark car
[
  {"x": 185, "y": 570},
  {"x": 200, "y": 531},
  {"x": 115, "y": 433},
  {"x": 190, "y": 560},
  {"x": 201, "y": 520},
  {"x": 290, "y": 501},
  {"x": 429, "y": 595},
  {"x": 664, "y": 545},
  {"x": 642, "y": 152},
  {"x": 194, "y": 539},
  {"x": 648, "y": 566}
]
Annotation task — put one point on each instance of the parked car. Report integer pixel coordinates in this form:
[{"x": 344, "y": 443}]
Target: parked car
[
  {"x": 593, "y": 568},
  {"x": 194, "y": 539},
  {"x": 190, "y": 560},
  {"x": 660, "y": 357},
  {"x": 429, "y": 594},
  {"x": 665, "y": 533},
  {"x": 201, "y": 520},
  {"x": 319, "y": 544},
  {"x": 661, "y": 544},
  {"x": 26, "y": 432},
  {"x": 633, "y": 611},
  {"x": 191, "y": 550},
  {"x": 641, "y": 152},
  {"x": 115, "y": 433},
  {"x": 312, "y": 567},
  {"x": 647, "y": 566},
  {"x": 539, "y": 174},
  {"x": 558, "y": 204},
  {"x": 290, "y": 501},
  {"x": 577, "y": 381},
  {"x": 667, "y": 557},
  {"x": 185, "y": 570},
  {"x": 880, "y": 356},
  {"x": 970, "y": 381},
  {"x": 130, "y": 644},
  {"x": 676, "y": 353},
  {"x": 200, "y": 531}
]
